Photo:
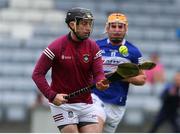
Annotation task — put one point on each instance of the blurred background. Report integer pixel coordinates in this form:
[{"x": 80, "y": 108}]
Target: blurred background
[{"x": 28, "y": 26}]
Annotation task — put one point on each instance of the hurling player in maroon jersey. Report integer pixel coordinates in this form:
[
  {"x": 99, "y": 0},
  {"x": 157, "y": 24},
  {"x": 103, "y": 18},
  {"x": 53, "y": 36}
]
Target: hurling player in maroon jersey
[{"x": 76, "y": 62}]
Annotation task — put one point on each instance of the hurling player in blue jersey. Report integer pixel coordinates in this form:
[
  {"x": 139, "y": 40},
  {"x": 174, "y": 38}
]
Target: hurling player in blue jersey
[{"x": 110, "y": 104}]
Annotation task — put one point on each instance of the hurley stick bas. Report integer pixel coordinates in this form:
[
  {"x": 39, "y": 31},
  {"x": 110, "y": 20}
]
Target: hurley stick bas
[{"x": 147, "y": 65}]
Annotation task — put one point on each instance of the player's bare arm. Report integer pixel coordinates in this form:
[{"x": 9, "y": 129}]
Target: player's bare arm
[{"x": 137, "y": 80}]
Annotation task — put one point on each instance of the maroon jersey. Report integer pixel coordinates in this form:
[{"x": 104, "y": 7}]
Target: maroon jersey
[{"x": 75, "y": 65}]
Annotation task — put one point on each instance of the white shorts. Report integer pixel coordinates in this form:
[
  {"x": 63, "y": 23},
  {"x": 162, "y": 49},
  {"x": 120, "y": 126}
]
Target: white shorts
[
  {"x": 111, "y": 114},
  {"x": 73, "y": 113}
]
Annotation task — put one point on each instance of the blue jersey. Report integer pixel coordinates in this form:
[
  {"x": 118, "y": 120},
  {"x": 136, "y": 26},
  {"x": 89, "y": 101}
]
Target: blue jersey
[{"x": 117, "y": 92}]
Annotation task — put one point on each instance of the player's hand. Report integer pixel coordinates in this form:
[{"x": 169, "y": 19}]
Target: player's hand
[
  {"x": 102, "y": 84},
  {"x": 59, "y": 99}
]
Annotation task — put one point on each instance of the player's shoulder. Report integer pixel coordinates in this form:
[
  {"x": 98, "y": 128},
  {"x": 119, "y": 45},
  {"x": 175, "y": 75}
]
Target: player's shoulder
[
  {"x": 57, "y": 44},
  {"x": 101, "y": 42},
  {"x": 60, "y": 39},
  {"x": 89, "y": 40},
  {"x": 131, "y": 46},
  {"x": 90, "y": 43},
  {"x": 133, "y": 49}
]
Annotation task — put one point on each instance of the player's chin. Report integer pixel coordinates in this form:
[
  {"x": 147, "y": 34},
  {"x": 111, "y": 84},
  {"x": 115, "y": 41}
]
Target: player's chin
[
  {"x": 116, "y": 36},
  {"x": 86, "y": 35}
]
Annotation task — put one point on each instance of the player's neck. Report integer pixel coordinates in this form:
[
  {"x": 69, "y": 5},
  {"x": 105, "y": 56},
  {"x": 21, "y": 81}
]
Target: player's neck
[
  {"x": 73, "y": 37},
  {"x": 116, "y": 44}
]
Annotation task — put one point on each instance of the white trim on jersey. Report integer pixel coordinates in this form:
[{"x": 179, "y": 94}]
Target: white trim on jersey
[
  {"x": 108, "y": 41},
  {"x": 123, "y": 41},
  {"x": 140, "y": 60},
  {"x": 49, "y": 53},
  {"x": 98, "y": 54}
]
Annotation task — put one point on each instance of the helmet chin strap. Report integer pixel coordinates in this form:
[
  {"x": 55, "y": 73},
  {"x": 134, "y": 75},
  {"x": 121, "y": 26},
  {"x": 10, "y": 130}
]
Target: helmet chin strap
[{"x": 77, "y": 36}]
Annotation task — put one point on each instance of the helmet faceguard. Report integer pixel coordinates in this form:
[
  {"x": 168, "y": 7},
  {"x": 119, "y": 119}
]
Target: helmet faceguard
[{"x": 77, "y": 15}]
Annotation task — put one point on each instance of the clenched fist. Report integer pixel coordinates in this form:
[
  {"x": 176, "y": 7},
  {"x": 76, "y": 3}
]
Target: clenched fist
[{"x": 102, "y": 84}]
